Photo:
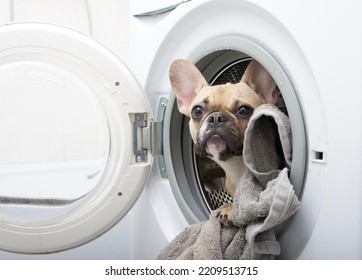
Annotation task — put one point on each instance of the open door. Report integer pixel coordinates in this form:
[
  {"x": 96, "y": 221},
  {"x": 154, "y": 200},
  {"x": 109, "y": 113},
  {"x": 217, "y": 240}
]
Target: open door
[{"x": 72, "y": 159}]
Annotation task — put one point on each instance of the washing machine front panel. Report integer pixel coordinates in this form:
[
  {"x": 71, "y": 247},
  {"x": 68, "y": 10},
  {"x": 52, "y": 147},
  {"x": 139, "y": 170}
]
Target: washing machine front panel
[
  {"x": 73, "y": 156},
  {"x": 247, "y": 28}
]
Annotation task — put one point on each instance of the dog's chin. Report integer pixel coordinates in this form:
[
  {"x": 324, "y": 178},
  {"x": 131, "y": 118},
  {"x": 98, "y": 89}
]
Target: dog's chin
[{"x": 217, "y": 148}]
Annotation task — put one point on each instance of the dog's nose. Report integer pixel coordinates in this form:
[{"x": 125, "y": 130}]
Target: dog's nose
[{"x": 217, "y": 118}]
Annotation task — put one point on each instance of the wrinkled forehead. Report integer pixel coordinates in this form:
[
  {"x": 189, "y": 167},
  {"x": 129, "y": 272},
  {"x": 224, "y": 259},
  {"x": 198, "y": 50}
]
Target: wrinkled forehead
[{"x": 228, "y": 96}]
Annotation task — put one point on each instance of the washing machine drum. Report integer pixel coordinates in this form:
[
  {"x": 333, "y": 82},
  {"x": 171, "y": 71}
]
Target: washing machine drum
[{"x": 70, "y": 113}]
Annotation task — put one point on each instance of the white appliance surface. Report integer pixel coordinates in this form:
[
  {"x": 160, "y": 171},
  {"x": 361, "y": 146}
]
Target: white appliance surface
[{"x": 311, "y": 48}]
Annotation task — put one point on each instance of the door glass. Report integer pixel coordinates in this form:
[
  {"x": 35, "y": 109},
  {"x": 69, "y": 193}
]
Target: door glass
[{"x": 54, "y": 142}]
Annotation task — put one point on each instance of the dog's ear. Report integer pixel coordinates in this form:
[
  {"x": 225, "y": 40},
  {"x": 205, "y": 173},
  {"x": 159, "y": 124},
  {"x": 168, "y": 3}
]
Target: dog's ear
[
  {"x": 259, "y": 79},
  {"x": 186, "y": 81}
]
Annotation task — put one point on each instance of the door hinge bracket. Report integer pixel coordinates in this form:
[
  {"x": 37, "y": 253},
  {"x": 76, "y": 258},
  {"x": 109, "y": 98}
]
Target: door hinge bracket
[
  {"x": 140, "y": 150},
  {"x": 148, "y": 137}
]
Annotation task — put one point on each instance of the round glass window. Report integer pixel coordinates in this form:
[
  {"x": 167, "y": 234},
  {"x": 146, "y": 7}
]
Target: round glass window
[
  {"x": 55, "y": 140},
  {"x": 68, "y": 107}
]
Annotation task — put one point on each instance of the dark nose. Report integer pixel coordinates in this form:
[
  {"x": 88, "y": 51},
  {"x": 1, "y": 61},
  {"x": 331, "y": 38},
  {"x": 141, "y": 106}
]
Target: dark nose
[{"x": 217, "y": 118}]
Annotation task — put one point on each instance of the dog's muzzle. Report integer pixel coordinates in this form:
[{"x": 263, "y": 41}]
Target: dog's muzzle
[
  {"x": 222, "y": 133},
  {"x": 217, "y": 119}
]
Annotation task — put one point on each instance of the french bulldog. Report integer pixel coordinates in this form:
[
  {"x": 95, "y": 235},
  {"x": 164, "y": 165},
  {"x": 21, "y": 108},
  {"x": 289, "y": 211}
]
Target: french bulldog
[{"x": 220, "y": 114}]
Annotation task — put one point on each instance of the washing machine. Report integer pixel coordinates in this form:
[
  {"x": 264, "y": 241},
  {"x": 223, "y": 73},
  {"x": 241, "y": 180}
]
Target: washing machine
[
  {"x": 307, "y": 47},
  {"x": 97, "y": 163}
]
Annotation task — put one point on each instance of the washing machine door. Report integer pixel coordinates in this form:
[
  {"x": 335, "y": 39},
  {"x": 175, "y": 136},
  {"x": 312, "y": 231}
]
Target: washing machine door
[{"x": 73, "y": 158}]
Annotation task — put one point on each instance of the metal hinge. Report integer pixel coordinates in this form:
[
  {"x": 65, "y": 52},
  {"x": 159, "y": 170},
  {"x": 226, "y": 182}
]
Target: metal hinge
[
  {"x": 140, "y": 148},
  {"x": 148, "y": 137}
]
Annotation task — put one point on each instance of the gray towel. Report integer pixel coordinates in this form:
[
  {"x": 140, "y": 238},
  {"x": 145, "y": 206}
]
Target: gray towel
[{"x": 264, "y": 198}]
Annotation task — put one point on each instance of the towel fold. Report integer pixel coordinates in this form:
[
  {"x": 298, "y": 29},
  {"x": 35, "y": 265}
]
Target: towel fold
[{"x": 264, "y": 198}]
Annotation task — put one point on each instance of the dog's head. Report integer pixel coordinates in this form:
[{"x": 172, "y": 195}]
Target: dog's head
[{"x": 219, "y": 114}]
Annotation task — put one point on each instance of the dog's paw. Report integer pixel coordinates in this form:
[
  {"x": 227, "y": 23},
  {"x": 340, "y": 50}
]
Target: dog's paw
[{"x": 225, "y": 214}]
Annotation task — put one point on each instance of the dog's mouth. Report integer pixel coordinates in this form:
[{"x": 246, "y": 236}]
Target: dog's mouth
[
  {"x": 215, "y": 144},
  {"x": 219, "y": 147}
]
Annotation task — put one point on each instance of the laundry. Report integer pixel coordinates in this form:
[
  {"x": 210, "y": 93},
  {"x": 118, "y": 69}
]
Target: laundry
[{"x": 264, "y": 198}]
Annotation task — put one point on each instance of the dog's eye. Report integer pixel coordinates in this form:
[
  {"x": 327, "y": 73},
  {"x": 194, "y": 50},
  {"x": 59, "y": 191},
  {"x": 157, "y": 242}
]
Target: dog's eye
[
  {"x": 197, "y": 112},
  {"x": 244, "y": 111}
]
